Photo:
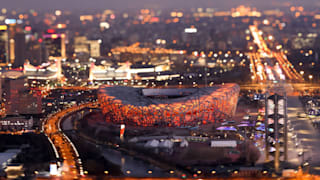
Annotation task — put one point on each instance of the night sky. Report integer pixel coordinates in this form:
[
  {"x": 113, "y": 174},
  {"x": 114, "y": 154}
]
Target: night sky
[{"x": 127, "y": 4}]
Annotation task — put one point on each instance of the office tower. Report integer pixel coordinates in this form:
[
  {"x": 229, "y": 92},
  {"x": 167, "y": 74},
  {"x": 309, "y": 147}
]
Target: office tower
[
  {"x": 55, "y": 46},
  {"x": 20, "y": 49},
  {"x": 3, "y": 45},
  {"x": 12, "y": 44}
]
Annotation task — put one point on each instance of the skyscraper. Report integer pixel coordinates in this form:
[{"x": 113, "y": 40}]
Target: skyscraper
[
  {"x": 83, "y": 46},
  {"x": 55, "y": 45},
  {"x": 12, "y": 44},
  {"x": 20, "y": 49},
  {"x": 3, "y": 45}
]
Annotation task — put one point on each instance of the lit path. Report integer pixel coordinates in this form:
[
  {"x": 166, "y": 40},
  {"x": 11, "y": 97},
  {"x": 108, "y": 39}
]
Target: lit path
[
  {"x": 287, "y": 66},
  {"x": 45, "y": 90},
  {"x": 306, "y": 134},
  {"x": 252, "y": 66},
  {"x": 294, "y": 106},
  {"x": 64, "y": 148},
  {"x": 263, "y": 58},
  {"x": 293, "y": 88}
]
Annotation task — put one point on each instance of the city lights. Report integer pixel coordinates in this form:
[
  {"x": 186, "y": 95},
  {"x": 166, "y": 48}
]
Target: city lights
[{"x": 159, "y": 89}]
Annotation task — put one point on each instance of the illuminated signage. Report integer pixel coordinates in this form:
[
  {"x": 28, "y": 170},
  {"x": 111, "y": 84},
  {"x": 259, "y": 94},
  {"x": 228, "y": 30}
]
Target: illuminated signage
[
  {"x": 61, "y": 26},
  {"x": 27, "y": 28},
  {"x": 190, "y": 30},
  {"x": 10, "y": 21},
  {"x": 3, "y": 27},
  {"x": 13, "y": 21},
  {"x": 51, "y": 31},
  {"x": 54, "y": 36}
]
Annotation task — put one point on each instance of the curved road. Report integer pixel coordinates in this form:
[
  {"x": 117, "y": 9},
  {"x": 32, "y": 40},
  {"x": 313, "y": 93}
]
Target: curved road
[{"x": 64, "y": 148}]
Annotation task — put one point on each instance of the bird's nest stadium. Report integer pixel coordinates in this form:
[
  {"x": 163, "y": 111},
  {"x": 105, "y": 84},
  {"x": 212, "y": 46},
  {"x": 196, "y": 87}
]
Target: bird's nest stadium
[{"x": 175, "y": 107}]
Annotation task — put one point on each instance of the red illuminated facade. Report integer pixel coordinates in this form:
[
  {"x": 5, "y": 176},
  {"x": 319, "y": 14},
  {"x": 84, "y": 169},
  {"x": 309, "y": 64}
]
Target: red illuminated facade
[{"x": 212, "y": 104}]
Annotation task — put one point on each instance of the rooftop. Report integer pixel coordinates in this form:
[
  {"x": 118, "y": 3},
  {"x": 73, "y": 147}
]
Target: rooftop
[{"x": 141, "y": 97}]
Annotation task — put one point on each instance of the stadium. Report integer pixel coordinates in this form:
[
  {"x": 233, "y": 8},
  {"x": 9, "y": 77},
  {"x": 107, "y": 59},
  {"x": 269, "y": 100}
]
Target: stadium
[{"x": 174, "y": 107}]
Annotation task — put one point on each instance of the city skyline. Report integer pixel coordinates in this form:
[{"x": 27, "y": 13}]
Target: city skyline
[
  {"x": 159, "y": 89},
  {"x": 163, "y": 4}
]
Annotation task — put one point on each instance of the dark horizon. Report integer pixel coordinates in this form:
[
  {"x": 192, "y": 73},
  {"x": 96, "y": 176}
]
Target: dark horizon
[{"x": 161, "y": 4}]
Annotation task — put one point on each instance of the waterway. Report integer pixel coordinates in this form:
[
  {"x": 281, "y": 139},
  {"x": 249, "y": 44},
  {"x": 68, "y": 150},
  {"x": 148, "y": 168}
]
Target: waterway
[{"x": 131, "y": 166}]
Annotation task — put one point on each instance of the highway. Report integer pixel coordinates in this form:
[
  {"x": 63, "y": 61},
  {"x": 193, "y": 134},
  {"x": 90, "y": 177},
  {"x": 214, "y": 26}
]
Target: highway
[
  {"x": 291, "y": 88},
  {"x": 64, "y": 148},
  {"x": 267, "y": 65},
  {"x": 308, "y": 137}
]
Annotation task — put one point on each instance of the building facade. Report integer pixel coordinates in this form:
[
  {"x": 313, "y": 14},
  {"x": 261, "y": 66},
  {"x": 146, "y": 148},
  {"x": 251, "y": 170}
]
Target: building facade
[{"x": 127, "y": 105}]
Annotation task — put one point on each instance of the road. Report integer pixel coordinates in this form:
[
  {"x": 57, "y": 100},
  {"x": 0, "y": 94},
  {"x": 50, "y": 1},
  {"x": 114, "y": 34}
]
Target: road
[
  {"x": 72, "y": 166},
  {"x": 291, "y": 88},
  {"x": 306, "y": 134},
  {"x": 267, "y": 65}
]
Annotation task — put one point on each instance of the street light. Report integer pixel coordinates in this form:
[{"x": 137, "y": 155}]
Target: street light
[
  {"x": 310, "y": 77},
  {"x": 302, "y": 72}
]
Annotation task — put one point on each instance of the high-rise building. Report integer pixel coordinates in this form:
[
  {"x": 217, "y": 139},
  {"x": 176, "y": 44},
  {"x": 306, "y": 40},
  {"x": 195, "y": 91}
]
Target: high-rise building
[
  {"x": 4, "y": 59},
  {"x": 20, "y": 49},
  {"x": 83, "y": 46},
  {"x": 13, "y": 86},
  {"x": 17, "y": 44},
  {"x": 12, "y": 44},
  {"x": 80, "y": 45},
  {"x": 55, "y": 46},
  {"x": 16, "y": 96},
  {"x": 35, "y": 53},
  {"x": 94, "y": 46}
]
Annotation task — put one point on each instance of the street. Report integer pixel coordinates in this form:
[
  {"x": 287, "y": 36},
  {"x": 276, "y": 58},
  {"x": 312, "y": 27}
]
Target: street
[
  {"x": 72, "y": 166},
  {"x": 306, "y": 134}
]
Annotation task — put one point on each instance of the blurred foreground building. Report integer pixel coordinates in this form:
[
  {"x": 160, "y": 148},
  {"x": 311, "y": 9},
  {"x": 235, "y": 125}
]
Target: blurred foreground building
[{"x": 16, "y": 96}]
